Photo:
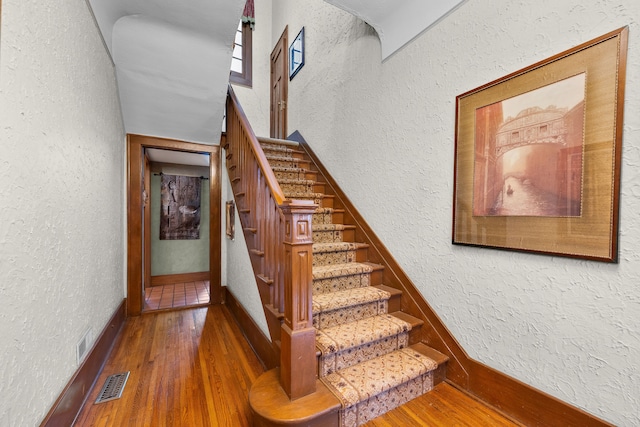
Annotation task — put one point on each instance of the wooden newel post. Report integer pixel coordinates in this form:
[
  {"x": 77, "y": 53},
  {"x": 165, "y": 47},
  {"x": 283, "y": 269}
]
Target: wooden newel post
[{"x": 298, "y": 338}]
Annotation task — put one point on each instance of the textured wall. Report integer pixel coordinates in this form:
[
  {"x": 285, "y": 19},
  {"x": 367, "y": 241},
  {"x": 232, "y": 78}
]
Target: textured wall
[
  {"x": 254, "y": 103},
  {"x": 179, "y": 256},
  {"x": 238, "y": 275},
  {"x": 62, "y": 213},
  {"x": 386, "y": 133}
]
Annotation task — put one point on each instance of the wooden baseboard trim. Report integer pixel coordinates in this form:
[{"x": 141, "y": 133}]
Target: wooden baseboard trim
[
  {"x": 523, "y": 402},
  {"x": 170, "y": 279},
  {"x": 68, "y": 405},
  {"x": 258, "y": 341}
]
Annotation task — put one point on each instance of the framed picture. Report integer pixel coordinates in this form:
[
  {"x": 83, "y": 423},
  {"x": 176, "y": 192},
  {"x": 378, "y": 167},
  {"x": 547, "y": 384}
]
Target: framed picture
[
  {"x": 296, "y": 54},
  {"x": 230, "y": 219},
  {"x": 538, "y": 153}
]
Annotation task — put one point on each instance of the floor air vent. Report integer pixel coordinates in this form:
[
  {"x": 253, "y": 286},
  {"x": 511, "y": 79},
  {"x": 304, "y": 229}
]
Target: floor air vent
[{"x": 112, "y": 388}]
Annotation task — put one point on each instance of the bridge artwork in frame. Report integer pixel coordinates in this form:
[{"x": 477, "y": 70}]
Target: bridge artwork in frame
[{"x": 538, "y": 153}]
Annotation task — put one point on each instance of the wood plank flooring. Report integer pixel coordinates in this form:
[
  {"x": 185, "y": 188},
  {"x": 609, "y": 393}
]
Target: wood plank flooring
[
  {"x": 188, "y": 368},
  {"x": 194, "y": 368}
]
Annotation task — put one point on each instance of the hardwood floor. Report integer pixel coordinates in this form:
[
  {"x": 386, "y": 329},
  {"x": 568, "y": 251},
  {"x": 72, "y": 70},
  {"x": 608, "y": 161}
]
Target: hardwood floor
[
  {"x": 194, "y": 368},
  {"x": 188, "y": 368},
  {"x": 444, "y": 406}
]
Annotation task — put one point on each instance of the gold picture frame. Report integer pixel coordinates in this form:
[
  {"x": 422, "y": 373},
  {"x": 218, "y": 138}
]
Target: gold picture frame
[{"x": 538, "y": 153}]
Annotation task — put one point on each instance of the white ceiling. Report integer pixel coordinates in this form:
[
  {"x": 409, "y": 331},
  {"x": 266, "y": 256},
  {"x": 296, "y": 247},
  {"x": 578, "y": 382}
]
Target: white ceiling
[
  {"x": 400, "y": 21},
  {"x": 172, "y": 61},
  {"x": 172, "y": 57}
]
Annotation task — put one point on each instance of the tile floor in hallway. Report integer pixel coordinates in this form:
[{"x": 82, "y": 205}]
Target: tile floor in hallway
[{"x": 176, "y": 295}]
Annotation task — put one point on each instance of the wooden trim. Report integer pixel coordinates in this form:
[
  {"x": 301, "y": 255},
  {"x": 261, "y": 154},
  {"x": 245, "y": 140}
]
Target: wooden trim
[
  {"x": 261, "y": 159},
  {"x": 170, "y": 279},
  {"x": 68, "y": 405},
  {"x": 245, "y": 78},
  {"x": 146, "y": 228},
  {"x": 135, "y": 147},
  {"x": 523, "y": 402},
  {"x": 506, "y": 394},
  {"x": 258, "y": 341}
]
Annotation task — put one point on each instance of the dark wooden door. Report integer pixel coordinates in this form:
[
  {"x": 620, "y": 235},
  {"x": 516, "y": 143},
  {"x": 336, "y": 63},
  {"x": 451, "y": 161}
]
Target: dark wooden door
[{"x": 279, "y": 88}]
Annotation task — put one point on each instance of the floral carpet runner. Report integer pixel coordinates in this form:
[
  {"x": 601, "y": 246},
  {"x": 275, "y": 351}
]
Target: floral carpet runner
[{"x": 366, "y": 358}]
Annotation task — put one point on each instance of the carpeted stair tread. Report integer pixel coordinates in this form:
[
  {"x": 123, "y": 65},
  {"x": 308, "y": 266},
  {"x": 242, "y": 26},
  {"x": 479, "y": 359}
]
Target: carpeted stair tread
[
  {"x": 276, "y": 148},
  {"x": 296, "y": 181},
  {"x": 373, "y": 387},
  {"x": 347, "y": 298},
  {"x": 301, "y": 195},
  {"x": 282, "y": 159},
  {"x": 374, "y": 376},
  {"x": 293, "y": 173},
  {"x": 319, "y": 248},
  {"x": 286, "y": 169},
  {"x": 354, "y": 334},
  {"x": 339, "y": 270},
  {"x": 278, "y": 142},
  {"x": 331, "y": 227}
]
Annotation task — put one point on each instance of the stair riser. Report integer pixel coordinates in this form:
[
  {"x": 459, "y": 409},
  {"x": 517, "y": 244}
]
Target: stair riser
[
  {"x": 332, "y": 258},
  {"x": 333, "y": 236},
  {"x": 384, "y": 402},
  {"x": 324, "y": 218},
  {"x": 343, "y": 359},
  {"x": 294, "y": 175},
  {"x": 297, "y": 188},
  {"x": 349, "y": 314},
  {"x": 281, "y": 151},
  {"x": 288, "y": 163}
]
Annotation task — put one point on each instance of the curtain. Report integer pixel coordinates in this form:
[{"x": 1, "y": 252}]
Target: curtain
[{"x": 248, "y": 16}]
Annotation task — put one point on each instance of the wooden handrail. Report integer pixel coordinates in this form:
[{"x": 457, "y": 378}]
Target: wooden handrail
[
  {"x": 278, "y": 236},
  {"x": 272, "y": 182}
]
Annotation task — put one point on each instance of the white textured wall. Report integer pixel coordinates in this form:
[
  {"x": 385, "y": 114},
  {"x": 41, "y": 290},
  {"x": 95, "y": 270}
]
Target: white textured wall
[
  {"x": 62, "y": 213},
  {"x": 253, "y": 101},
  {"x": 238, "y": 275},
  {"x": 386, "y": 133}
]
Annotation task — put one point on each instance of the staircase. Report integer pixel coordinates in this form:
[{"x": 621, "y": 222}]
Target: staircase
[{"x": 369, "y": 351}]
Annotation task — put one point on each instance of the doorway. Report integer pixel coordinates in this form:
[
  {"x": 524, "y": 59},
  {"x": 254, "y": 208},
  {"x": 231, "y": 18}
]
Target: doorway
[
  {"x": 179, "y": 288},
  {"x": 279, "y": 87}
]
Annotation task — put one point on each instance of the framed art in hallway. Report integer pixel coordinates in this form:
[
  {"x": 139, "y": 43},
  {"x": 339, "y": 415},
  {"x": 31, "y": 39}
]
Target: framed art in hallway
[{"x": 538, "y": 153}]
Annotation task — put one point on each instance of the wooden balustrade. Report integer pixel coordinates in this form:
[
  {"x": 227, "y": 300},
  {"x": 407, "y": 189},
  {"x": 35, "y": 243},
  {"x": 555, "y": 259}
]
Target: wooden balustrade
[{"x": 278, "y": 236}]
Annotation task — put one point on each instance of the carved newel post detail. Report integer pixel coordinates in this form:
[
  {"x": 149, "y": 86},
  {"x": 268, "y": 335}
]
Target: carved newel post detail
[{"x": 298, "y": 338}]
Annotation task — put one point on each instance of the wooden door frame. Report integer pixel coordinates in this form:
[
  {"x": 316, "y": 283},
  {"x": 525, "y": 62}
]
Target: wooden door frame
[
  {"x": 135, "y": 172},
  {"x": 283, "y": 40},
  {"x": 146, "y": 229}
]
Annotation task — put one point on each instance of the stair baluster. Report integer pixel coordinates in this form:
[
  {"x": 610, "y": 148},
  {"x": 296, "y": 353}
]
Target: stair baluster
[{"x": 280, "y": 235}]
